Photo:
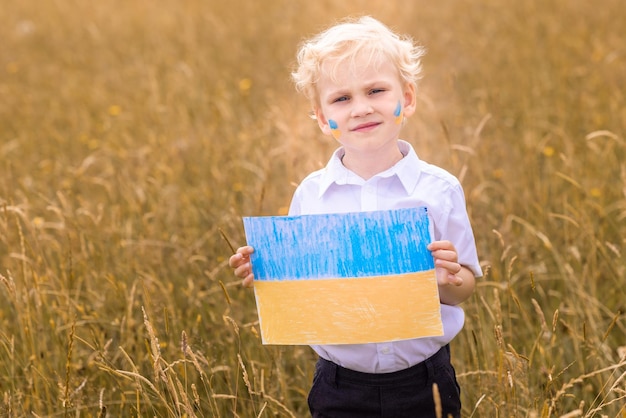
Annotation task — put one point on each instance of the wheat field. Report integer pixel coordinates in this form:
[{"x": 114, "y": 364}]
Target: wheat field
[{"x": 134, "y": 135}]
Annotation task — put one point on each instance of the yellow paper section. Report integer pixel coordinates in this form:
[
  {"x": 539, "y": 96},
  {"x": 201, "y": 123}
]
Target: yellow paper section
[{"x": 349, "y": 311}]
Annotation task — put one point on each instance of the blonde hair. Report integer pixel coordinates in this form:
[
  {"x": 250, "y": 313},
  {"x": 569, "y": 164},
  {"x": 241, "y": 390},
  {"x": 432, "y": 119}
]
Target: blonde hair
[{"x": 362, "y": 37}]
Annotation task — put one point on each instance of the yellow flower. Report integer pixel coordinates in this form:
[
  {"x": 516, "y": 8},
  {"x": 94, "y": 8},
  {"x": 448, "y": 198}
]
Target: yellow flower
[
  {"x": 548, "y": 151},
  {"x": 38, "y": 222},
  {"x": 244, "y": 85},
  {"x": 114, "y": 110},
  {"x": 12, "y": 68},
  {"x": 595, "y": 192}
]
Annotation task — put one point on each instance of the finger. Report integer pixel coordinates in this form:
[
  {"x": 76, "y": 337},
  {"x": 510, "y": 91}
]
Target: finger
[
  {"x": 441, "y": 245},
  {"x": 455, "y": 280},
  {"x": 248, "y": 281},
  {"x": 451, "y": 266},
  {"x": 445, "y": 278},
  {"x": 235, "y": 260},
  {"x": 238, "y": 259},
  {"x": 243, "y": 270},
  {"x": 245, "y": 250},
  {"x": 445, "y": 255}
]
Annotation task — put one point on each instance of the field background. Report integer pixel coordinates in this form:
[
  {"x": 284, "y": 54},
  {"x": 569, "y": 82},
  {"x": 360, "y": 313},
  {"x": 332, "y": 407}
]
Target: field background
[{"x": 132, "y": 132}]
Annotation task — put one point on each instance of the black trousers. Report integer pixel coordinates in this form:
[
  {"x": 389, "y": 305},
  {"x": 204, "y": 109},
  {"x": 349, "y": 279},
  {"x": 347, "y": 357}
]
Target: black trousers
[{"x": 338, "y": 392}]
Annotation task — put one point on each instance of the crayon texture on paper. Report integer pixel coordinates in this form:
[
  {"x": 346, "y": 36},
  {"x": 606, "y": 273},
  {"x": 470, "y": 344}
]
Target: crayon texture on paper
[{"x": 344, "y": 278}]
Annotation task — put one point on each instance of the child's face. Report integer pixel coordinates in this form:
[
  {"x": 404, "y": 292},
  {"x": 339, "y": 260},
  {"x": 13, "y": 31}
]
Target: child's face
[{"x": 362, "y": 107}]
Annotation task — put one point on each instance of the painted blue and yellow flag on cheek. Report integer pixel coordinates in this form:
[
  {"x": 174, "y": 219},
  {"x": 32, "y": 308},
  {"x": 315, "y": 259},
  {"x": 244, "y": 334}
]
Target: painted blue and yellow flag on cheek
[{"x": 345, "y": 278}]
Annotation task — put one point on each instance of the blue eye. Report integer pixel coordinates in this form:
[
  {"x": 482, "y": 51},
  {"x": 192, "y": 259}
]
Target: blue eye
[
  {"x": 340, "y": 99},
  {"x": 374, "y": 91}
]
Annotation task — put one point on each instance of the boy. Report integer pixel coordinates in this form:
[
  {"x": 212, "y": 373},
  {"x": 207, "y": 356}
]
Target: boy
[{"x": 361, "y": 80}]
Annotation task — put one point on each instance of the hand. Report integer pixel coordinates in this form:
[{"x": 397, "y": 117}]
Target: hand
[
  {"x": 456, "y": 282},
  {"x": 446, "y": 263},
  {"x": 240, "y": 262}
]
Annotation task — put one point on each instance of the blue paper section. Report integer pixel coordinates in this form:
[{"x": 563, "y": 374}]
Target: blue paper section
[{"x": 339, "y": 245}]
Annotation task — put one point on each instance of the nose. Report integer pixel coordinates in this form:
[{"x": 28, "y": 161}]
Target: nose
[{"x": 361, "y": 107}]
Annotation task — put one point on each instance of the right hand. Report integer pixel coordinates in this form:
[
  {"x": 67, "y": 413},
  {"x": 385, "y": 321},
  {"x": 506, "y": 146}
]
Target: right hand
[{"x": 240, "y": 262}]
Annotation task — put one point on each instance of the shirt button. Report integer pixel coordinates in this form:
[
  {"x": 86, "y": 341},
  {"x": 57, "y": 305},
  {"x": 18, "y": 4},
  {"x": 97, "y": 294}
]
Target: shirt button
[{"x": 385, "y": 350}]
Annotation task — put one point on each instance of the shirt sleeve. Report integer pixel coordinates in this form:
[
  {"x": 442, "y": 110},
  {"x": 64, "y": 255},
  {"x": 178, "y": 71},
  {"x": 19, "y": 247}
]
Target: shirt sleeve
[{"x": 454, "y": 225}]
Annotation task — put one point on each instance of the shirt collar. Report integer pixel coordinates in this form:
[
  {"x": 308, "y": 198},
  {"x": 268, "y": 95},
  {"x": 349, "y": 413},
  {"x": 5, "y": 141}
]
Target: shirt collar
[{"x": 407, "y": 170}]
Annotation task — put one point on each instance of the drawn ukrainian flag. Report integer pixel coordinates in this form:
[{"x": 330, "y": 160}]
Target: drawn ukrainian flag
[{"x": 344, "y": 278}]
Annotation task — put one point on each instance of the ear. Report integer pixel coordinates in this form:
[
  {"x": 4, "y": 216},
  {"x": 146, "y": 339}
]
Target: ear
[
  {"x": 410, "y": 99},
  {"x": 322, "y": 121}
]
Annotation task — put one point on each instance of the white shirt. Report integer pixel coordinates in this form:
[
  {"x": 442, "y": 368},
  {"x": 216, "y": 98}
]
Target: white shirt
[{"x": 409, "y": 183}]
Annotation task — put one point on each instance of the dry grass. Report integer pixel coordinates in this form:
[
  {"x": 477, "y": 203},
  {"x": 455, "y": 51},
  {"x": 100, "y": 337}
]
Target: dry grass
[{"x": 133, "y": 131}]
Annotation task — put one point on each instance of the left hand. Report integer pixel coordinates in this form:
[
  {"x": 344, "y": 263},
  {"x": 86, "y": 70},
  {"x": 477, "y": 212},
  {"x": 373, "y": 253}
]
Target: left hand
[{"x": 447, "y": 267}]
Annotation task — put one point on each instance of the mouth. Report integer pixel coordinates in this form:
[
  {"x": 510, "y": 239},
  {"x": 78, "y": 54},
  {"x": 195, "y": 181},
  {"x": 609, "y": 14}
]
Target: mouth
[{"x": 365, "y": 127}]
